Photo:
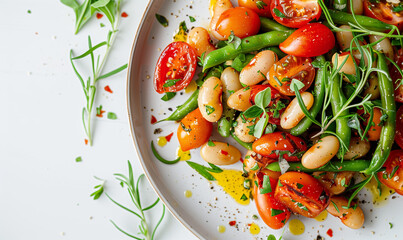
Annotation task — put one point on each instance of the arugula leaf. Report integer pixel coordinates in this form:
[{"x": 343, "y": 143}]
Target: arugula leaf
[{"x": 162, "y": 20}]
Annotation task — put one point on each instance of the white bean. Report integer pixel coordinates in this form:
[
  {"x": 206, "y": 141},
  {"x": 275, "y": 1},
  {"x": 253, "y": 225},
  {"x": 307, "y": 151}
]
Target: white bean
[
  {"x": 373, "y": 87},
  {"x": 335, "y": 183},
  {"x": 220, "y": 154},
  {"x": 383, "y": 46},
  {"x": 219, "y": 7},
  {"x": 209, "y": 99},
  {"x": 344, "y": 39},
  {"x": 230, "y": 81},
  {"x": 240, "y": 99},
  {"x": 242, "y": 131},
  {"x": 321, "y": 152},
  {"x": 352, "y": 217},
  {"x": 358, "y": 7},
  {"x": 257, "y": 68},
  {"x": 358, "y": 148},
  {"x": 348, "y": 67},
  {"x": 293, "y": 114},
  {"x": 199, "y": 39}
]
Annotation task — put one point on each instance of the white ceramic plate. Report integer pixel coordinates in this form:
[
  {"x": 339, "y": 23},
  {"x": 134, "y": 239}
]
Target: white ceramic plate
[{"x": 209, "y": 206}]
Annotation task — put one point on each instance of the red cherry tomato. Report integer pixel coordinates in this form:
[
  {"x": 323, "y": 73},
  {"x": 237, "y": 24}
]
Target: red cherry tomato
[
  {"x": 277, "y": 105},
  {"x": 261, "y": 7},
  {"x": 384, "y": 11},
  {"x": 272, "y": 212},
  {"x": 295, "y": 13},
  {"x": 399, "y": 127},
  {"x": 242, "y": 21},
  {"x": 395, "y": 74},
  {"x": 374, "y": 133},
  {"x": 311, "y": 40},
  {"x": 274, "y": 145},
  {"x": 393, "y": 175},
  {"x": 288, "y": 68},
  {"x": 194, "y": 130},
  {"x": 175, "y": 67},
  {"x": 302, "y": 194}
]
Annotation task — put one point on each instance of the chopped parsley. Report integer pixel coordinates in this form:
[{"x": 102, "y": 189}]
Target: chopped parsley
[
  {"x": 162, "y": 20},
  {"x": 209, "y": 109}
]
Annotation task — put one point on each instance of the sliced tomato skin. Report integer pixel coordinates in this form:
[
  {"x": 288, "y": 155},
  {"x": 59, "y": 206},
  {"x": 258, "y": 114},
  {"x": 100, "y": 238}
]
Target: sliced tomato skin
[
  {"x": 395, "y": 75},
  {"x": 193, "y": 130},
  {"x": 399, "y": 127},
  {"x": 311, "y": 40},
  {"x": 281, "y": 141},
  {"x": 295, "y": 17},
  {"x": 242, "y": 21},
  {"x": 291, "y": 67},
  {"x": 383, "y": 12},
  {"x": 265, "y": 203},
  {"x": 263, "y": 11},
  {"x": 302, "y": 194},
  {"x": 395, "y": 182},
  {"x": 183, "y": 60}
]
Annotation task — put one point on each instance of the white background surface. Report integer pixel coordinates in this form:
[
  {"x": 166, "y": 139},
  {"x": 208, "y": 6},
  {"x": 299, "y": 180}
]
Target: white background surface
[{"x": 44, "y": 193}]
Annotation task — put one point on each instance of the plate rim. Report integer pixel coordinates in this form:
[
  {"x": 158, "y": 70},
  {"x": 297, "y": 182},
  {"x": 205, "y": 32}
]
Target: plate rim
[{"x": 131, "y": 118}]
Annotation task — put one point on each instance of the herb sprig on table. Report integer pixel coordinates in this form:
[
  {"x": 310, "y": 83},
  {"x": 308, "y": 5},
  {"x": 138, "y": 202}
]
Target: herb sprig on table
[
  {"x": 83, "y": 12},
  {"x": 133, "y": 189}
]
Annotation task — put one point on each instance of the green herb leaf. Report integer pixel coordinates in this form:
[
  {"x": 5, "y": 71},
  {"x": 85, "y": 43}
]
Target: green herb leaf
[
  {"x": 255, "y": 167},
  {"x": 210, "y": 143},
  {"x": 83, "y": 12},
  {"x": 214, "y": 168},
  {"x": 260, "y": 4},
  {"x": 275, "y": 212},
  {"x": 29, "y": 11},
  {"x": 204, "y": 171},
  {"x": 271, "y": 237},
  {"x": 296, "y": 83},
  {"x": 79, "y": 159},
  {"x": 107, "y": 7},
  {"x": 170, "y": 82},
  {"x": 279, "y": 13},
  {"x": 390, "y": 225},
  {"x": 246, "y": 184},
  {"x": 112, "y": 116},
  {"x": 168, "y": 96},
  {"x": 299, "y": 185},
  {"x": 335, "y": 206},
  {"x": 113, "y": 72},
  {"x": 209, "y": 109},
  {"x": 354, "y": 123},
  {"x": 99, "y": 189},
  {"x": 266, "y": 186},
  {"x": 260, "y": 126},
  {"x": 192, "y": 19},
  {"x": 398, "y": 8},
  {"x": 244, "y": 197},
  {"x": 183, "y": 26},
  {"x": 234, "y": 40},
  {"x": 162, "y": 20},
  {"x": 253, "y": 112},
  {"x": 263, "y": 98},
  {"x": 161, "y": 159}
]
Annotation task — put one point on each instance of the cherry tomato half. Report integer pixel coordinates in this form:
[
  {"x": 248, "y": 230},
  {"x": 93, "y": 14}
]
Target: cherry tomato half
[
  {"x": 393, "y": 175},
  {"x": 274, "y": 145},
  {"x": 175, "y": 67},
  {"x": 194, "y": 130},
  {"x": 311, "y": 40},
  {"x": 399, "y": 127},
  {"x": 374, "y": 133},
  {"x": 242, "y": 21},
  {"x": 288, "y": 68},
  {"x": 395, "y": 75},
  {"x": 272, "y": 212},
  {"x": 302, "y": 194},
  {"x": 384, "y": 11},
  {"x": 261, "y": 7},
  {"x": 295, "y": 13}
]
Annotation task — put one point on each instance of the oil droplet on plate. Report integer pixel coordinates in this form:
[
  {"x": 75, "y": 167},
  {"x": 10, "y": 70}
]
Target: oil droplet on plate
[
  {"x": 162, "y": 141},
  {"x": 232, "y": 183},
  {"x": 221, "y": 229},
  {"x": 183, "y": 155},
  {"x": 191, "y": 87},
  {"x": 296, "y": 227},
  {"x": 188, "y": 194},
  {"x": 322, "y": 216},
  {"x": 379, "y": 199},
  {"x": 254, "y": 229}
]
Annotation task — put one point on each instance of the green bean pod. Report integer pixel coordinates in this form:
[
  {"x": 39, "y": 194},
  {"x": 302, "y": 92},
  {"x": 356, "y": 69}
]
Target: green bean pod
[
  {"x": 386, "y": 140},
  {"x": 267, "y": 25},
  {"x": 319, "y": 90},
  {"x": 225, "y": 122},
  {"x": 337, "y": 101},
  {"x": 249, "y": 44},
  {"x": 242, "y": 143},
  {"x": 373, "y": 24},
  {"x": 332, "y": 166}
]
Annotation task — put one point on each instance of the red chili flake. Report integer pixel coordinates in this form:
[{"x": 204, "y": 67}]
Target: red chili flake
[
  {"x": 100, "y": 114},
  {"x": 232, "y": 223},
  {"x": 99, "y": 15},
  {"x": 86, "y": 141},
  {"x": 124, "y": 15},
  {"x": 241, "y": 160},
  {"x": 108, "y": 89},
  {"x": 153, "y": 119},
  {"x": 330, "y": 232},
  {"x": 224, "y": 152},
  {"x": 168, "y": 138}
]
